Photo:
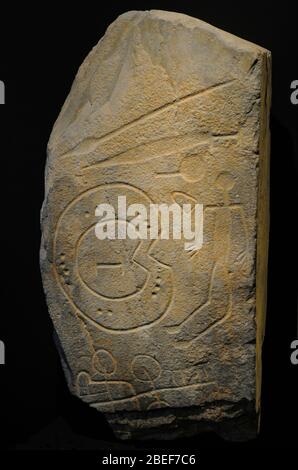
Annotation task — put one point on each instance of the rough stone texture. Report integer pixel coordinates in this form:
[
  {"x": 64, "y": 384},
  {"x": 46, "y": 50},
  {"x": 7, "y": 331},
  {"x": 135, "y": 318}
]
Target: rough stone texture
[{"x": 166, "y": 342}]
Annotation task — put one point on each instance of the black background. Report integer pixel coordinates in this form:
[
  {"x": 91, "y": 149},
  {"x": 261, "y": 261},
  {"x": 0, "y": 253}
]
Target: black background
[{"x": 42, "y": 46}]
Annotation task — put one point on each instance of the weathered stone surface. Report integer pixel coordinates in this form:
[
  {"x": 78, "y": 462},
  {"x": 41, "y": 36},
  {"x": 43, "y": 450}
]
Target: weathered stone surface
[{"x": 164, "y": 341}]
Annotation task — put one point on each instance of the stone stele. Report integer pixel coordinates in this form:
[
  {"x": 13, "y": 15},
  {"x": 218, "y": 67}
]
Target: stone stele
[{"x": 165, "y": 342}]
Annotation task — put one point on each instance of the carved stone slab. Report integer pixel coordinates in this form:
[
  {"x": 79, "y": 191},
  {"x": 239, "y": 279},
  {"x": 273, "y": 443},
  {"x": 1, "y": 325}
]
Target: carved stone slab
[{"x": 164, "y": 341}]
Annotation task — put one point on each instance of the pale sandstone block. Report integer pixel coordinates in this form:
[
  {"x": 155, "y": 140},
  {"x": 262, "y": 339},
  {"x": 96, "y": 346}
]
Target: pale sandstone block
[{"x": 165, "y": 342}]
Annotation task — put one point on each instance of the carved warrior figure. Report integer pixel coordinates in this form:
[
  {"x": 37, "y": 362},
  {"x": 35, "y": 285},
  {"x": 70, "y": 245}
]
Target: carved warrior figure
[{"x": 165, "y": 341}]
